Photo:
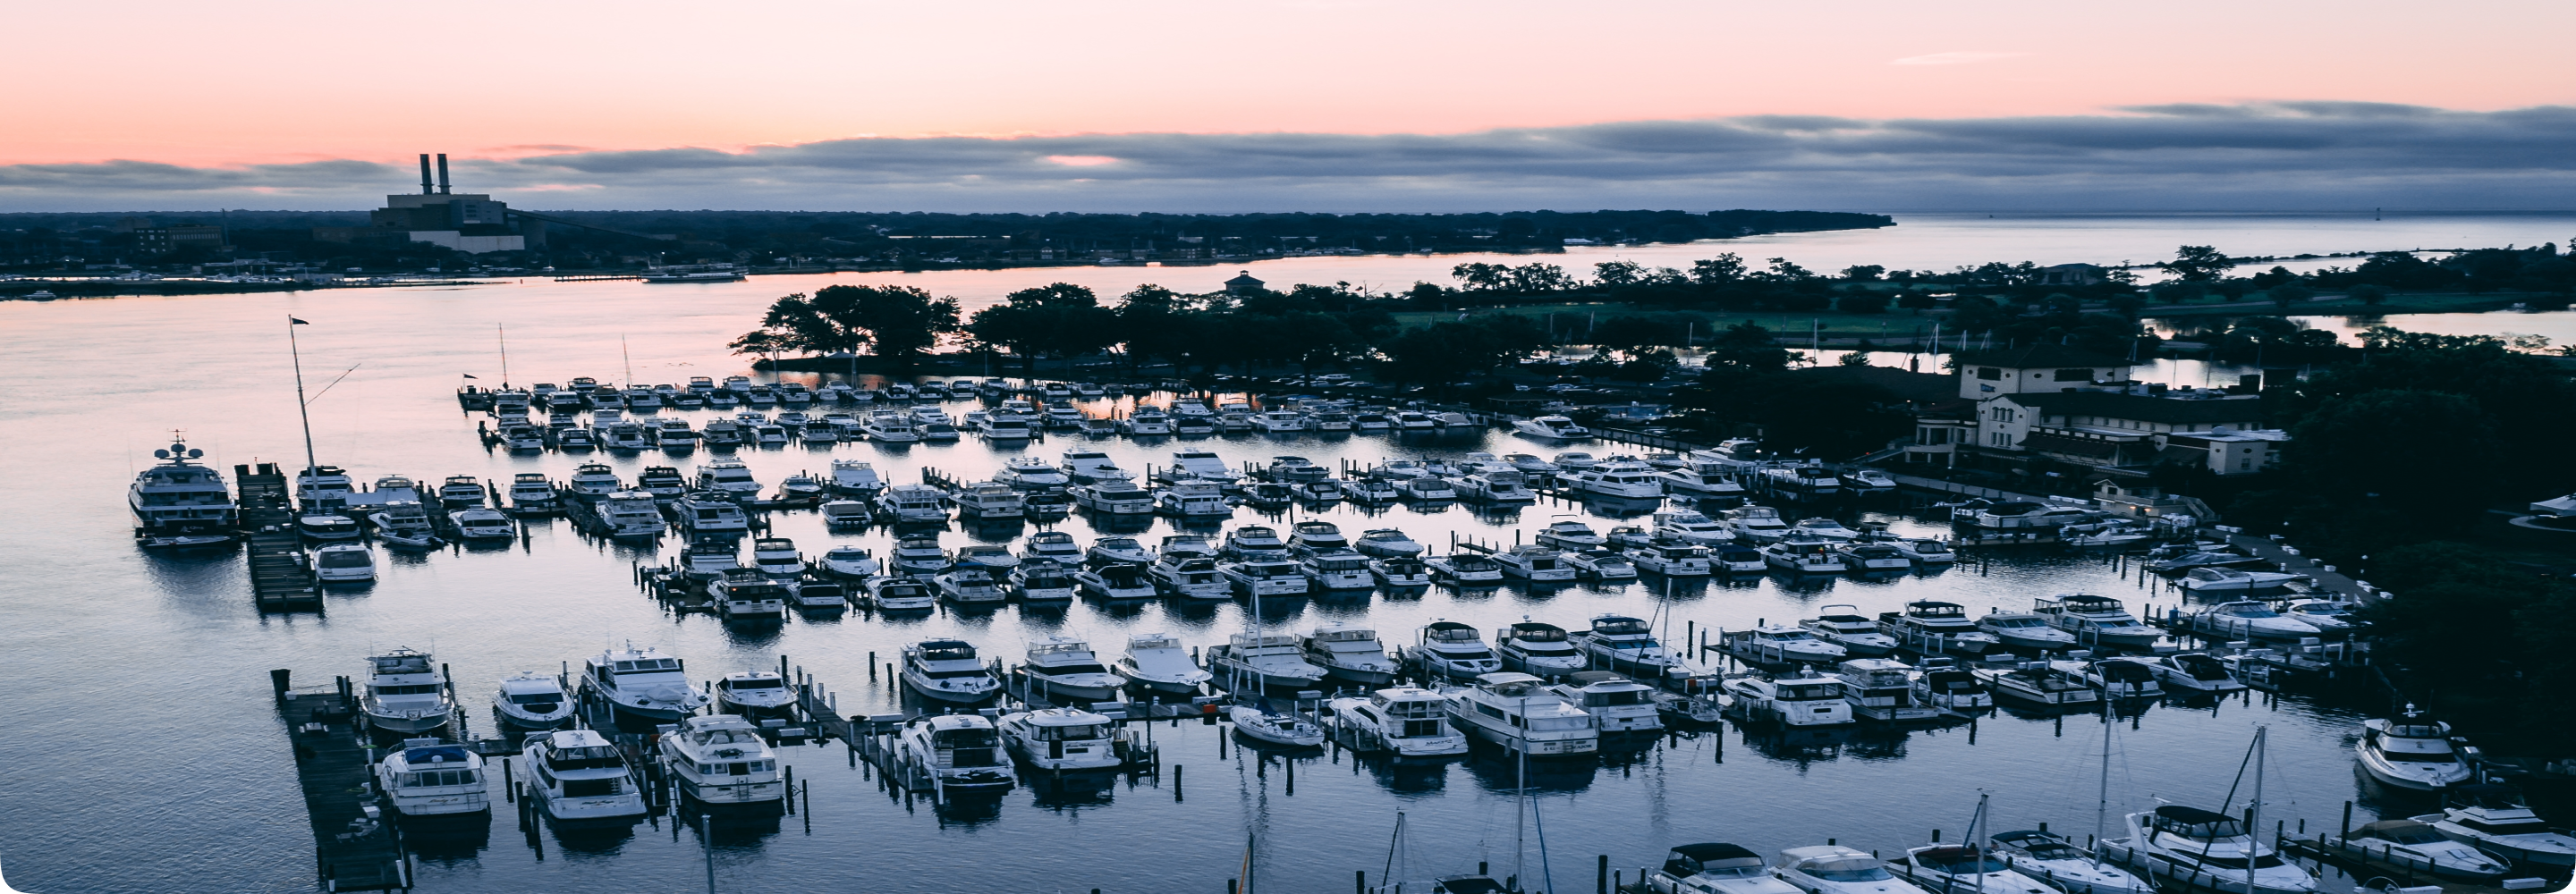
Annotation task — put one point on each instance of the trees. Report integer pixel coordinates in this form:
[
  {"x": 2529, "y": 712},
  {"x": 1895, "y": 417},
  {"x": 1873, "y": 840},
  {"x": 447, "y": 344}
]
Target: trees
[
  {"x": 1631, "y": 335},
  {"x": 1618, "y": 273},
  {"x": 1725, "y": 269},
  {"x": 1059, "y": 318},
  {"x": 2288, "y": 295},
  {"x": 1481, "y": 277},
  {"x": 895, "y": 322},
  {"x": 1745, "y": 347},
  {"x": 1863, "y": 272},
  {"x": 2198, "y": 263},
  {"x": 2371, "y": 294}
]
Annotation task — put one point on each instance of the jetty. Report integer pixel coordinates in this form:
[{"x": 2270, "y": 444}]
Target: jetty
[
  {"x": 281, "y": 575},
  {"x": 356, "y": 846}
]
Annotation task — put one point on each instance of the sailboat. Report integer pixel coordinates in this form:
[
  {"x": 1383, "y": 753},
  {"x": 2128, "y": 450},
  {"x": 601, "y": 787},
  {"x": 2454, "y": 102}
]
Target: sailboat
[
  {"x": 2057, "y": 861},
  {"x": 1266, "y": 660},
  {"x": 2208, "y": 849},
  {"x": 1970, "y": 865}
]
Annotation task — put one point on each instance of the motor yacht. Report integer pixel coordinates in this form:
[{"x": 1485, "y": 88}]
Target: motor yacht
[
  {"x": 948, "y": 670},
  {"x": 594, "y": 481},
  {"x": 324, "y": 527},
  {"x": 1853, "y": 631},
  {"x": 1254, "y": 542},
  {"x": 2040, "y": 683},
  {"x": 1715, "y": 868},
  {"x": 1453, "y": 651},
  {"x": 2125, "y": 678},
  {"x": 1496, "y": 486},
  {"x": 2494, "y": 819},
  {"x": 1779, "y": 645},
  {"x": 913, "y": 504},
  {"x": 2177, "y": 564},
  {"x": 1619, "y": 478},
  {"x": 663, "y": 482},
  {"x": 2411, "y": 751},
  {"x": 1465, "y": 570},
  {"x": 1400, "y": 572},
  {"x": 406, "y": 693},
  {"x": 802, "y": 487},
  {"x": 959, "y": 752},
  {"x": 851, "y": 563},
  {"x": 1085, "y": 466},
  {"x": 642, "y": 682},
  {"x": 746, "y": 595},
  {"x": 1263, "y": 661},
  {"x": 1145, "y": 422},
  {"x": 2229, "y": 580},
  {"x": 1760, "y": 524},
  {"x": 1040, "y": 581},
  {"x": 1538, "y": 648},
  {"x": 1337, "y": 570},
  {"x": 706, "y": 560},
  {"x": 1516, "y": 711},
  {"x": 1626, "y": 645},
  {"x": 1386, "y": 542},
  {"x": 532, "y": 701},
  {"x": 1804, "y": 553},
  {"x": 1943, "y": 684},
  {"x": 1064, "y": 670},
  {"x": 1199, "y": 465},
  {"x": 1190, "y": 574},
  {"x": 404, "y": 523},
  {"x": 1408, "y": 721},
  {"x": 1873, "y": 558},
  {"x": 1705, "y": 481},
  {"x": 343, "y": 563},
  {"x": 1030, "y": 473},
  {"x": 755, "y": 694},
  {"x": 1426, "y": 488},
  {"x": 2418, "y": 847},
  {"x": 1833, "y": 869},
  {"x": 1350, "y": 654},
  {"x": 461, "y": 491},
  {"x": 1924, "y": 550},
  {"x": 897, "y": 594},
  {"x": 818, "y": 597},
  {"x": 579, "y": 774},
  {"x": 1806, "y": 699},
  {"x": 1552, "y": 428},
  {"x": 427, "y": 777},
  {"x": 1115, "y": 496},
  {"x": 2193, "y": 672},
  {"x": 1617, "y": 704},
  {"x": 2060, "y": 863},
  {"x": 1116, "y": 581},
  {"x": 1056, "y": 546},
  {"x": 1931, "y": 626},
  {"x": 1156, "y": 662},
  {"x": 1535, "y": 563},
  {"x": 777, "y": 557},
  {"x": 1286, "y": 730},
  {"x": 2211, "y": 849},
  {"x": 1956, "y": 868},
  {"x": 1061, "y": 739},
  {"x": 2249, "y": 619},
  {"x": 2330, "y": 616},
  {"x": 1192, "y": 498},
  {"x": 969, "y": 585},
  {"x": 1265, "y": 577},
  {"x": 2026, "y": 632},
  {"x": 722, "y": 759},
  {"x": 1689, "y": 526},
  {"x": 482, "y": 524},
  {"x": 707, "y": 514},
  {"x": 988, "y": 500},
  {"x": 1566, "y": 533},
  {"x": 2098, "y": 621}
]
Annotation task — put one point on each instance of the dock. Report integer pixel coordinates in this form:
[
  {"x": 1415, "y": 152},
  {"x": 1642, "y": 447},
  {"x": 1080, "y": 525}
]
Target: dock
[
  {"x": 281, "y": 576},
  {"x": 2319, "y": 856},
  {"x": 356, "y": 847}
]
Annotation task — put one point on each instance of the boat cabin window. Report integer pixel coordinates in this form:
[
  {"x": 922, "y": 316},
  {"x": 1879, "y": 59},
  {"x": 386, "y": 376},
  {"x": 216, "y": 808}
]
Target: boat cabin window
[
  {"x": 345, "y": 558},
  {"x": 592, "y": 788},
  {"x": 408, "y": 689},
  {"x": 954, "y": 674},
  {"x": 1346, "y": 636},
  {"x": 1064, "y": 669},
  {"x": 1613, "y": 699},
  {"x": 1849, "y": 869},
  {"x": 1414, "y": 729},
  {"x": 589, "y": 757},
  {"x": 2407, "y": 833},
  {"x": 1960, "y": 861},
  {"x": 548, "y": 699},
  {"x": 439, "y": 777},
  {"x": 1804, "y": 691},
  {"x": 1465, "y": 655},
  {"x": 1554, "y": 724},
  {"x": 1072, "y": 733},
  {"x": 726, "y": 737},
  {"x": 2422, "y": 757},
  {"x": 755, "y": 683},
  {"x": 963, "y": 738}
]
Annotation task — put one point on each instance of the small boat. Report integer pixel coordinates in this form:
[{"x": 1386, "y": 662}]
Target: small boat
[
  {"x": 1943, "y": 684},
  {"x": 2193, "y": 672},
  {"x": 2411, "y": 751},
  {"x": 1465, "y": 569},
  {"x": 1602, "y": 564},
  {"x": 1287, "y": 730},
  {"x": 1567, "y": 533},
  {"x": 1617, "y": 704},
  {"x": 2098, "y": 621},
  {"x": 1690, "y": 526},
  {"x": 1850, "y": 629},
  {"x": 2060, "y": 863},
  {"x": 855, "y": 478},
  {"x": 1779, "y": 645},
  {"x": 755, "y": 694},
  {"x": 1338, "y": 570},
  {"x": 818, "y": 596},
  {"x": 2026, "y": 631},
  {"x": 1399, "y": 572},
  {"x": 1804, "y": 553},
  {"x": 326, "y": 526},
  {"x": 1717, "y": 868},
  {"x": 721, "y": 759},
  {"x": 897, "y": 594},
  {"x": 404, "y": 523},
  {"x": 338, "y": 563},
  {"x": 2248, "y": 619},
  {"x": 1064, "y": 669},
  {"x": 1409, "y": 721},
  {"x": 1191, "y": 575},
  {"x": 1833, "y": 869},
  {"x": 1516, "y": 711},
  {"x": 1953, "y": 868},
  {"x": 746, "y": 595},
  {"x": 1040, "y": 581},
  {"x": 1115, "y": 582},
  {"x": 777, "y": 557},
  {"x": 2229, "y": 580},
  {"x": 1672, "y": 558},
  {"x": 969, "y": 585},
  {"x": 1258, "y": 661},
  {"x": 1157, "y": 663},
  {"x": 2331, "y": 617},
  {"x": 848, "y": 563},
  {"x": 1925, "y": 550},
  {"x": 1538, "y": 648},
  {"x": 2418, "y": 847},
  {"x": 1060, "y": 739},
  {"x": 1873, "y": 557},
  {"x": 532, "y": 493},
  {"x": 1932, "y": 626},
  {"x": 405, "y": 692},
  {"x": 643, "y": 683},
  {"x": 1574, "y": 461},
  {"x": 2116, "y": 677},
  {"x": 1030, "y": 473},
  {"x": 2495, "y": 820},
  {"x": 1117, "y": 550},
  {"x": 427, "y": 777},
  {"x": 1351, "y": 654},
  {"x": 1552, "y": 428},
  {"x": 2206, "y": 849},
  {"x": 1386, "y": 542},
  {"x": 2040, "y": 683},
  {"x": 1808, "y": 699},
  {"x": 1760, "y": 524},
  {"x": 1255, "y": 542},
  {"x": 948, "y": 670},
  {"x": 959, "y": 752},
  {"x": 1626, "y": 645},
  {"x": 991, "y": 558},
  {"x": 579, "y": 774},
  {"x": 532, "y": 701},
  {"x": 1426, "y": 488},
  {"x": 1453, "y": 651}
]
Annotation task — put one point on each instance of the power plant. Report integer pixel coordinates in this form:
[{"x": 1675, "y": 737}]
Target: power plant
[{"x": 468, "y": 222}]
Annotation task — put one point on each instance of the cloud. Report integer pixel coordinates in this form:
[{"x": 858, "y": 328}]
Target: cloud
[
  {"x": 1954, "y": 57},
  {"x": 2261, "y": 156}
]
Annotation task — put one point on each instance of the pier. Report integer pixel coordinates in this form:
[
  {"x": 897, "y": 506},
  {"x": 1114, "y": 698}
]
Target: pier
[
  {"x": 281, "y": 577},
  {"x": 356, "y": 846}
]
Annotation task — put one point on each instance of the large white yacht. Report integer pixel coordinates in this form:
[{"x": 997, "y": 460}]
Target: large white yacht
[
  {"x": 1692, "y": 527},
  {"x": 722, "y": 759},
  {"x": 1031, "y": 473},
  {"x": 1934, "y": 626},
  {"x": 913, "y": 503},
  {"x": 949, "y": 671},
  {"x": 1621, "y": 478},
  {"x": 1338, "y": 570},
  {"x": 427, "y": 777},
  {"x": 1351, "y": 654},
  {"x": 1834, "y": 869},
  {"x": 2058, "y": 861},
  {"x": 744, "y": 594},
  {"x": 406, "y": 693},
  {"x": 1256, "y": 661},
  {"x": 2494, "y": 818},
  {"x": 1626, "y": 645},
  {"x": 2026, "y": 631},
  {"x": 1808, "y": 699},
  {"x": 180, "y": 503},
  {"x": 1617, "y": 704},
  {"x": 1453, "y": 651},
  {"x": 2411, "y": 751},
  {"x": 1064, "y": 669},
  {"x": 1408, "y": 721},
  {"x": 579, "y": 774},
  {"x": 2095, "y": 620},
  {"x": 1850, "y": 629},
  {"x": 755, "y": 694},
  {"x": 1064, "y": 739},
  {"x": 961, "y": 751},
  {"x": 642, "y": 682},
  {"x": 1538, "y": 648},
  {"x": 1518, "y": 712},
  {"x": 1157, "y": 663},
  {"x": 1552, "y": 428}
]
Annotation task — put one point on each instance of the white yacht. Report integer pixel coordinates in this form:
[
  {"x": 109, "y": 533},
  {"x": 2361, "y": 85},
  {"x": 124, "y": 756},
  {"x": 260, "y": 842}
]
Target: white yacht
[
  {"x": 1429, "y": 488},
  {"x": 1552, "y": 428},
  {"x": 1263, "y": 661},
  {"x": 630, "y": 513},
  {"x": 1807, "y": 699},
  {"x": 2123, "y": 678},
  {"x": 1191, "y": 575},
  {"x": 1190, "y": 497},
  {"x": 882, "y": 427},
  {"x": 969, "y": 585},
  {"x": 1925, "y": 550},
  {"x": 2193, "y": 672},
  {"x": 594, "y": 481},
  {"x": 1804, "y": 553},
  {"x": 2411, "y": 751},
  {"x": 1338, "y": 570},
  {"x": 317, "y": 488},
  {"x": 744, "y": 594},
  {"x": 1146, "y": 422},
  {"x": 948, "y": 670},
  {"x": 1848, "y": 628},
  {"x": 1453, "y": 651},
  {"x": 2229, "y": 580},
  {"x": 1385, "y": 543},
  {"x": 180, "y": 503},
  {"x": 1672, "y": 558},
  {"x": 2335, "y": 616},
  {"x": 1265, "y": 577},
  {"x": 1279, "y": 421},
  {"x": 642, "y": 682},
  {"x": 1873, "y": 558},
  {"x": 914, "y": 503},
  {"x": 1408, "y": 721},
  {"x": 2059, "y": 862},
  {"x": 2209, "y": 848},
  {"x": 705, "y": 514},
  {"x": 1689, "y": 526},
  {"x": 777, "y": 557},
  {"x": 1716, "y": 868},
  {"x": 1465, "y": 570},
  {"x": 1620, "y": 478},
  {"x": 1497, "y": 486},
  {"x": 1263, "y": 725},
  {"x": 1031, "y": 473},
  {"x": 2419, "y": 847},
  {"x": 320, "y": 526},
  {"x": 2495, "y": 819},
  {"x": 2040, "y": 683},
  {"x": 427, "y": 777},
  {"x": 1534, "y": 563},
  {"x": 1518, "y": 712},
  {"x": 1760, "y": 524},
  {"x": 480, "y": 523},
  {"x": 1083, "y": 466},
  {"x": 1779, "y": 644},
  {"x": 1538, "y": 648},
  {"x": 1059, "y": 739},
  {"x": 1203, "y": 465},
  {"x": 406, "y": 693},
  {"x": 2098, "y": 621},
  {"x": 404, "y": 523},
  {"x": 1703, "y": 480},
  {"x": 2026, "y": 631},
  {"x": 855, "y": 478},
  {"x": 1931, "y": 626},
  {"x": 755, "y": 694},
  {"x": 1882, "y": 689},
  {"x": 1115, "y": 496},
  {"x": 848, "y": 563},
  {"x": 532, "y": 701},
  {"x": 960, "y": 752},
  {"x": 1156, "y": 662},
  {"x": 579, "y": 774},
  {"x": 721, "y": 759},
  {"x": 989, "y": 500},
  {"x": 1117, "y": 549},
  {"x": 1350, "y": 654},
  {"x": 1959, "y": 867},
  {"x": 1617, "y": 704},
  {"x": 663, "y": 482},
  {"x": 1118, "y": 581},
  {"x": 1626, "y": 645},
  {"x": 1064, "y": 669},
  {"x": 1833, "y": 869},
  {"x": 338, "y": 563},
  {"x": 2249, "y": 619},
  {"x": 1567, "y": 533},
  {"x": 897, "y": 594}
]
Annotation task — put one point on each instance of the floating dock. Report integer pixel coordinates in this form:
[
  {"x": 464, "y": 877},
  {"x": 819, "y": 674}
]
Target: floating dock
[
  {"x": 355, "y": 846},
  {"x": 281, "y": 577}
]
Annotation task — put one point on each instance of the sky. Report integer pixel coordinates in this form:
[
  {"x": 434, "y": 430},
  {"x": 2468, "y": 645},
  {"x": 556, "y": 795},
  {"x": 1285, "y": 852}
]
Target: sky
[{"x": 1312, "y": 106}]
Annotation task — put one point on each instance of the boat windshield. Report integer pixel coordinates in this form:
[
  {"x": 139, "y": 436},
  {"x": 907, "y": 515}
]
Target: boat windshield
[
  {"x": 536, "y": 698},
  {"x": 1072, "y": 733},
  {"x": 593, "y": 757},
  {"x": 757, "y": 683},
  {"x": 1960, "y": 861},
  {"x": 964, "y": 738},
  {"x": 1853, "y": 869}
]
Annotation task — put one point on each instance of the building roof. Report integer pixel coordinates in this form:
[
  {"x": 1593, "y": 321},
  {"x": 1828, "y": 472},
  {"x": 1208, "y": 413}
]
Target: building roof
[
  {"x": 2048, "y": 443},
  {"x": 2039, "y": 357},
  {"x": 2139, "y": 407},
  {"x": 1244, "y": 278}
]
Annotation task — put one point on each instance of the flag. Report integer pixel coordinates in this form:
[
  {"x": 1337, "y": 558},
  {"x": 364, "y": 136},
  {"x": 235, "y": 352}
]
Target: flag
[
  {"x": 469, "y": 375},
  {"x": 291, "y": 321}
]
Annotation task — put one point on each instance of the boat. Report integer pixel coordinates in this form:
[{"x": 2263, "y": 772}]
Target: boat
[
  {"x": 1943, "y": 684},
  {"x": 480, "y": 523},
  {"x": 1779, "y": 645},
  {"x": 1398, "y": 572},
  {"x": 2248, "y": 619},
  {"x": 341, "y": 563},
  {"x": 1760, "y": 524},
  {"x": 1619, "y": 478},
  {"x": 755, "y": 694},
  {"x": 642, "y": 682},
  {"x": 1311, "y": 537},
  {"x": 2026, "y": 631},
  {"x": 663, "y": 482},
  {"x": 722, "y": 759},
  {"x": 706, "y": 514},
  {"x": 1872, "y": 557},
  {"x": 2335, "y": 616},
  {"x": 2040, "y": 683},
  {"x": 2098, "y": 621},
  {"x": 2193, "y": 672},
  {"x": 1039, "y": 581},
  {"x": 957, "y": 752},
  {"x": 1617, "y": 704},
  {"x": 1538, "y": 648},
  {"x": 532, "y": 701},
  {"x": 1567, "y": 533},
  {"x": 1409, "y": 721},
  {"x": 1061, "y": 739},
  {"x": 2495, "y": 820},
  {"x": 707, "y": 560},
  {"x": 1426, "y": 487},
  {"x": 988, "y": 500},
  {"x": 1517, "y": 712},
  {"x": 1738, "y": 559},
  {"x": 1254, "y": 542},
  {"x": 1155, "y": 662},
  {"x": 1030, "y": 473},
  {"x": 2184, "y": 562},
  {"x": 1602, "y": 564},
  {"x": 1807, "y": 699},
  {"x": 1145, "y": 422},
  {"x": 1534, "y": 563},
  {"x": 2116, "y": 677},
  {"x": 1626, "y": 645},
  {"x": 1882, "y": 689},
  {"x": 1117, "y": 549},
  {"x": 1190, "y": 498},
  {"x": 326, "y": 526},
  {"x": 1805, "y": 480},
  {"x": 948, "y": 670},
  {"x": 1925, "y": 550},
  {"x": 746, "y": 595},
  {"x": 404, "y": 523},
  {"x": 848, "y": 563},
  {"x": 1574, "y": 461},
  {"x": 1496, "y": 486},
  {"x": 1834, "y": 869},
  {"x": 897, "y": 594},
  {"x": 1385, "y": 543},
  {"x": 2205, "y": 849},
  {"x": 2411, "y": 751},
  {"x": 1257, "y": 661},
  {"x": 1826, "y": 528},
  {"x": 406, "y": 693},
  {"x": 1263, "y": 725},
  {"x": 1552, "y": 428},
  {"x": 777, "y": 557},
  {"x": 1465, "y": 570},
  {"x": 818, "y": 596},
  {"x": 1265, "y": 577},
  {"x": 579, "y": 774},
  {"x": 1338, "y": 570},
  {"x": 1191, "y": 575},
  {"x": 1085, "y": 466},
  {"x": 1689, "y": 526},
  {"x": 1453, "y": 651},
  {"x": 1851, "y": 630},
  {"x": 463, "y": 490},
  {"x": 179, "y": 503},
  {"x": 1200, "y": 465},
  {"x": 2229, "y": 580},
  {"x": 1063, "y": 669},
  {"x": 1116, "y": 581},
  {"x": 802, "y": 487},
  {"x": 1716, "y": 868},
  {"x": 2024, "y": 515},
  {"x": 969, "y": 585},
  {"x": 1804, "y": 553},
  {"x": 1672, "y": 558},
  {"x": 427, "y": 777},
  {"x": 1350, "y": 654},
  {"x": 914, "y": 504},
  {"x": 593, "y": 481},
  {"x": 1931, "y": 626},
  {"x": 1953, "y": 868},
  {"x": 2418, "y": 847}
]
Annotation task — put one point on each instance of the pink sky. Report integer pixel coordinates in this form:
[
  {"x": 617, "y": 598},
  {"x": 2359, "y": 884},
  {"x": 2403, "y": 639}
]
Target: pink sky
[{"x": 198, "y": 84}]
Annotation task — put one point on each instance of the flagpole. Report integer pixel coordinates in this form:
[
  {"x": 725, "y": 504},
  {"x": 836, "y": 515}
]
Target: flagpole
[{"x": 312, "y": 468}]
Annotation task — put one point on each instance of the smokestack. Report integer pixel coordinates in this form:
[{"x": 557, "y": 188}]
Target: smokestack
[
  {"x": 442, "y": 173},
  {"x": 424, "y": 173}
]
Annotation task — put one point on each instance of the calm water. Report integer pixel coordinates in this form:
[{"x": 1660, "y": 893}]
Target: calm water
[{"x": 142, "y": 753}]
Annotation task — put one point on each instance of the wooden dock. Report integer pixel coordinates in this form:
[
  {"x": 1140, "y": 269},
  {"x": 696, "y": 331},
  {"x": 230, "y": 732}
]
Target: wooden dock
[
  {"x": 2319, "y": 857},
  {"x": 356, "y": 847},
  {"x": 281, "y": 576}
]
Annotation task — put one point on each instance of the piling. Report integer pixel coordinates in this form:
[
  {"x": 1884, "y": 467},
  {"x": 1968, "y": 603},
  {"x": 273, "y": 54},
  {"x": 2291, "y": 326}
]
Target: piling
[
  {"x": 1601, "y": 879},
  {"x": 1176, "y": 783}
]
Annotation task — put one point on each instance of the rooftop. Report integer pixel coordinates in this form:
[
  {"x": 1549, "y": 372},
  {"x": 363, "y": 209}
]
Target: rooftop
[
  {"x": 2138, "y": 407},
  {"x": 2040, "y": 356}
]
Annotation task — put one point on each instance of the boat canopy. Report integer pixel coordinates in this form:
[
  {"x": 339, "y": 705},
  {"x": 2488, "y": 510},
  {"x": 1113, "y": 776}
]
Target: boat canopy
[{"x": 1692, "y": 859}]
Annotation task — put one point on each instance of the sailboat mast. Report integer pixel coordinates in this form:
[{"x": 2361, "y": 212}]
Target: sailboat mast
[
  {"x": 629, "y": 357},
  {"x": 312, "y": 468},
  {"x": 1977, "y": 845},
  {"x": 504, "y": 335},
  {"x": 2102, "y": 807},
  {"x": 2254, "y": 810},
  {"x": 1520, "y": 804}
]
